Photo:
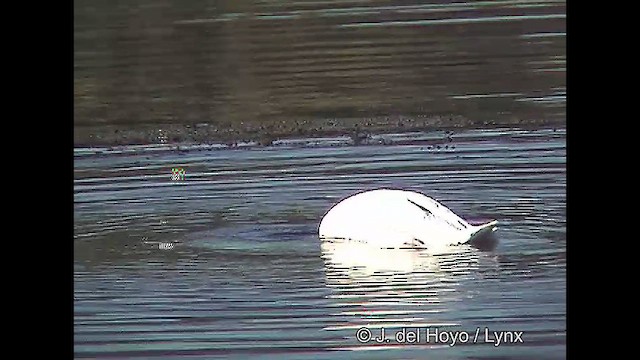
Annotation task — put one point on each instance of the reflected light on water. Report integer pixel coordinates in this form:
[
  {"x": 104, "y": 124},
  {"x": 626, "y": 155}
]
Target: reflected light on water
[{"x": 399, "y": 288}]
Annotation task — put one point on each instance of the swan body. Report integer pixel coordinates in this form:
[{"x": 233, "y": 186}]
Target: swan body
[{"x": 397, "y": 218}]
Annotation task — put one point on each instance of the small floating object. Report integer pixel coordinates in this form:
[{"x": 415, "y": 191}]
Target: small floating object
[{"x": 398, "y": 219}]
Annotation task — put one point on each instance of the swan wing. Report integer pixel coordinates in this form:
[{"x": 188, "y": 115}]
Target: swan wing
[{"x": 438, "y": 211}]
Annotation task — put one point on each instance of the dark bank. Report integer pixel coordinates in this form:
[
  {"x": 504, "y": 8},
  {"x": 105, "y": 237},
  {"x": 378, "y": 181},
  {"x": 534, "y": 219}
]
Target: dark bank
[{"x": 218, "y": 71}]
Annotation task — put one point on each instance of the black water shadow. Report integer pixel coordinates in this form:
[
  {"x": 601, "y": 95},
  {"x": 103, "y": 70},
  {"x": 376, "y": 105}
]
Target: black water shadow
[{"x": 485, "y": 242}]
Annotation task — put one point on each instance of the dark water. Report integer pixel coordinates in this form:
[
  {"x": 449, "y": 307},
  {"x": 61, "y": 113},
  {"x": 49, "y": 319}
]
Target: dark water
[
  {"x": 247, "y": 277},
  {"x": 251, "y": 64}
]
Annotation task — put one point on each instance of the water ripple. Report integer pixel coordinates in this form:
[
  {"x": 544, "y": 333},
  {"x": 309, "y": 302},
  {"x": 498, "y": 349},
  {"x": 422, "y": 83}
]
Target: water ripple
[{"x": 248, "y": 277}]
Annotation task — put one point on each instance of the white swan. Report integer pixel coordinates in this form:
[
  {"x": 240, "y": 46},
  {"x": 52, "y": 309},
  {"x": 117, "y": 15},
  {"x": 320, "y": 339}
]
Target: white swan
[{"x": 397, "y": 218}]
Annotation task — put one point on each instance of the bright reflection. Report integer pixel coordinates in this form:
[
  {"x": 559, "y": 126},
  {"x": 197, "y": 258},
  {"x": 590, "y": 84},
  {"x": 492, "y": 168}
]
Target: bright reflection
[{"x": 399, "y": 288}]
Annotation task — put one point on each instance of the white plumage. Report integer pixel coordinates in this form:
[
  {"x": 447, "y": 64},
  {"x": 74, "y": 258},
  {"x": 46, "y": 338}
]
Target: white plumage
[{"x": 397, "y": 218}]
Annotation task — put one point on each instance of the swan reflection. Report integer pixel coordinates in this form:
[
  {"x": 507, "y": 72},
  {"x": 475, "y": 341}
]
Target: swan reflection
[{"x": 399, "y": 288}]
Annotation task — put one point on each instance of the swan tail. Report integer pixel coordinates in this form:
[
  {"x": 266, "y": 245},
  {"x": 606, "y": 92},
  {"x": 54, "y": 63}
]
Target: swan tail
[{"x": 483, "y": 229}]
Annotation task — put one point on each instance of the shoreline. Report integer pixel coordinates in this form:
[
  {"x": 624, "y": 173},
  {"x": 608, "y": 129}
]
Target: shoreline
[{"x": 268, "y": 133}]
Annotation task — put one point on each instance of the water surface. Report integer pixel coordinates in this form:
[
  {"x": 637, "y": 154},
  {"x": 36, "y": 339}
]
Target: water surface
[
  {"x": 246, "y": 68},
  {"x": 246, "y": 275}
]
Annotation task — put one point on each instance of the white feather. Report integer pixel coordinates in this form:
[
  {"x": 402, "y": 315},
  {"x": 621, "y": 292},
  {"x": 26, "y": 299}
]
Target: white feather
[{"x": 397, "y": 218}]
